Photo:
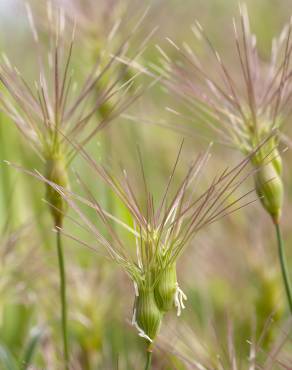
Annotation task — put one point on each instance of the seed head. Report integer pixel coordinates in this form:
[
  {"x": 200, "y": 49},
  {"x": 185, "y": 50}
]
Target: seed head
[
  {"x": 243, "y": 111},
  {"x": 55, "y": 107},
  {"x": 162, "y": 231}
]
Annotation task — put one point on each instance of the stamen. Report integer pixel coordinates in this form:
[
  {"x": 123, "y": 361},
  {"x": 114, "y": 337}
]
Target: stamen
[{"x": 178, "y": 299}]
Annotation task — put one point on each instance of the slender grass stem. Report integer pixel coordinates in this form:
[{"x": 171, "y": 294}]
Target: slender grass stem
[
  {"x": 148, "y": 360},
  {"x": 284, "y": 266},
  {"x": 63, "y": 298}
]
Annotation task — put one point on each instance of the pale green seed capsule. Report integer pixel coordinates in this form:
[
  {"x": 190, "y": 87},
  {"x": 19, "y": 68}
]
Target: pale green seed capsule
[
  {"x": 269, "y": 188},
  {"x": 148, "y": 315},
  {"x": 166, "y": 288},
  {"x": 55, "y": 171}
]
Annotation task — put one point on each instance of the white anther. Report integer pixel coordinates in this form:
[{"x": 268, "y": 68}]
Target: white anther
[{"x": 179, "y": 300}]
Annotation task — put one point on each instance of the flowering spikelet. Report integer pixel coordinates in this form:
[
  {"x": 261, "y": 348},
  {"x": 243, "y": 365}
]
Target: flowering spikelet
[
  {"x": 55, "y": 170},
  {"x": 147, "y": 315},
  {"x": 243, "y": 111},
  {"x": 166, "y": 288},
  {"x": 269, "y": 188},
  {"x": 56, "y": 107},
  {"x": 161, "y": 232}
]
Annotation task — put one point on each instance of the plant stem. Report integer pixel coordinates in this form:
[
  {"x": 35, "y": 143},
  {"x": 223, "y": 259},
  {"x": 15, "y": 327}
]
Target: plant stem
[
  {"x": 63, "y": 298},
  {"x": 148, "y": 361},
  {"x": 284, "y": 267}
]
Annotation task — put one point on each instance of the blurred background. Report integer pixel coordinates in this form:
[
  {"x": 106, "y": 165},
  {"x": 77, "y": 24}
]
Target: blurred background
[{"x": 230, "y": 270}]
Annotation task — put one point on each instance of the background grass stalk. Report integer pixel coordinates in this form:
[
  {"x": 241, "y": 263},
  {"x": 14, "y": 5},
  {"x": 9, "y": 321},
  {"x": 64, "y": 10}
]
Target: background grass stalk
[
  {"x": 284, "y": 267},
  {"x": 63, "y": 298}
]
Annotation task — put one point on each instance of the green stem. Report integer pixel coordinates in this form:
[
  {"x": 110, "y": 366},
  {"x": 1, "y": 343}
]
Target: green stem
[
  {"x": 284, "y": 266},
  {"x": 148, "y": 361},
  {"x": 63, "y": 298}
]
